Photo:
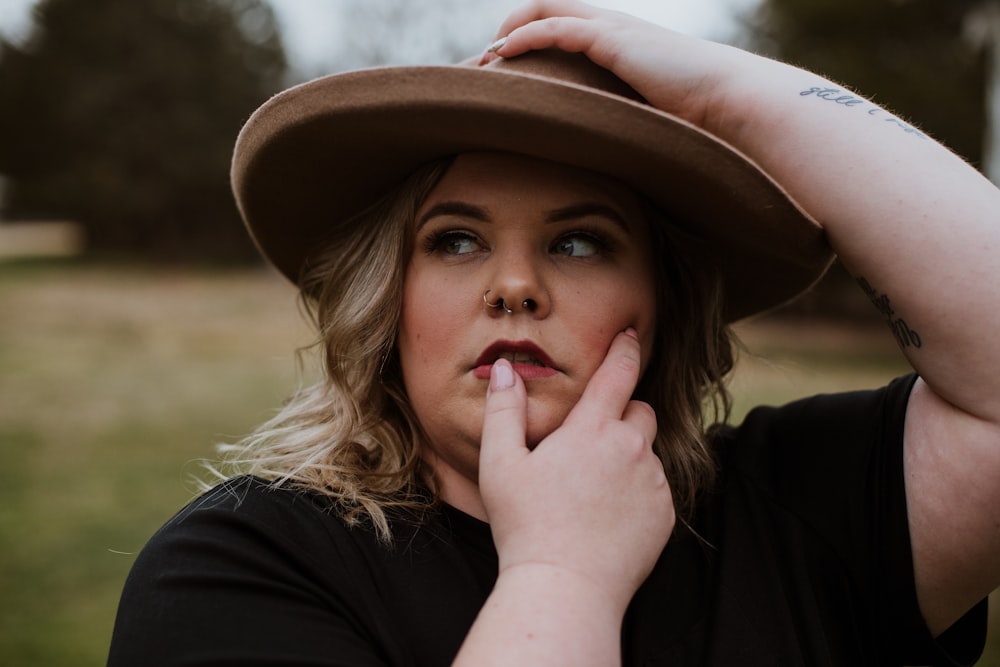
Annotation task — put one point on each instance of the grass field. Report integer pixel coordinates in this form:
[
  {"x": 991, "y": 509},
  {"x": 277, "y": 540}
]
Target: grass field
[{"x": 116, "y": 382}]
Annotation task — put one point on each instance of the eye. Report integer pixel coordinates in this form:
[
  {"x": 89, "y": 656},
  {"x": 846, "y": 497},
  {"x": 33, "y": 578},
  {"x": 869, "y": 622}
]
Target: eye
[
  {"x": 577, "y": 245},
  {"x": 452, "y": 243}
]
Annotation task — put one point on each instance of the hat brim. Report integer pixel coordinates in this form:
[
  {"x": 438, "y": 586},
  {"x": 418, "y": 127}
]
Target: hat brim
[{"x": 316, "y": 155}]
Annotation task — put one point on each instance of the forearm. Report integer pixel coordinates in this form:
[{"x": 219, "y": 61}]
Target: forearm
[{"x": 545, "y": 615}]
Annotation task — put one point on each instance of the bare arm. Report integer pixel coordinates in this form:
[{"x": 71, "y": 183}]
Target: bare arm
[{"x": 917, "y": 227}]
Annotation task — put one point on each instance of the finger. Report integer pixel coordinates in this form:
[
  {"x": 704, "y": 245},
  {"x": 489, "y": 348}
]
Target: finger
[
  {"x": 536, "y": 11},
  {"x": 643, "y": 418},
  {"x": 571, "y": 34},
  {"x": 505, "y": 416},
  {"x": 610, "y": 389}
]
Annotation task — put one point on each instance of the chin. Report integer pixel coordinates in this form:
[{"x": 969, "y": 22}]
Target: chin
[{"x": 540, "y": 426}]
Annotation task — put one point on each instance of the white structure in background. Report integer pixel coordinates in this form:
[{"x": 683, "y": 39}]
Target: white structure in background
[
  {"x": 56, "y": 238},
  {"x": 983, "y": 29}
]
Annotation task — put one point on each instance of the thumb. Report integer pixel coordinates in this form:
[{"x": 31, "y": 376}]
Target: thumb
[{"x": 505, "y": 416}]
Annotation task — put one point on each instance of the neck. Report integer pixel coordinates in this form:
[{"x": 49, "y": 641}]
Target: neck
[{"x": 458, "y": 490}]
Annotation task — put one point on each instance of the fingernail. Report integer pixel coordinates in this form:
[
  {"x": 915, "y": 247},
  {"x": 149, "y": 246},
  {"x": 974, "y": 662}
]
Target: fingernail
[
  {"x": 502, "y": 376},
  {"x": 497, "y": 45},
  {"x": 630, "y": 331}
]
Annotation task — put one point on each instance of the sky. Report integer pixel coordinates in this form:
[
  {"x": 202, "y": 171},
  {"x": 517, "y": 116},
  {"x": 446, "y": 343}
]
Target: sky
[
  {"x": 308, "y": 26},
  {"x": 306, "y": 22}
]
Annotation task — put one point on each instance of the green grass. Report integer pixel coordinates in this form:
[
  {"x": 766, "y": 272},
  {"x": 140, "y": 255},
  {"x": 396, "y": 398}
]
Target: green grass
[
  {"x": 113, "y": 384},
  {"x": 116, "y": 381}
]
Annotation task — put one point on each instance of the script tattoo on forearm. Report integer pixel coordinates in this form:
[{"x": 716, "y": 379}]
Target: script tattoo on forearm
[
  {"x": 845, "y": 99},
  {"x": 905, "y": 336}
]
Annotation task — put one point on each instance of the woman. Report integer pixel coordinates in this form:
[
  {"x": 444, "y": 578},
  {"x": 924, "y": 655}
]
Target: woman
[{"x": 507, "y": 464}]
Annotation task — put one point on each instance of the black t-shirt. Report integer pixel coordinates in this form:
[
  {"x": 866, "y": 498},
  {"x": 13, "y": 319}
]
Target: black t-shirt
[{"x": 802, "y": 557}]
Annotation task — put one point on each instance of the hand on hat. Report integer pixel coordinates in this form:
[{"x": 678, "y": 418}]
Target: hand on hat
[
  {"x": 676, "y": 73},
  {"x": 589, "y": 488}
]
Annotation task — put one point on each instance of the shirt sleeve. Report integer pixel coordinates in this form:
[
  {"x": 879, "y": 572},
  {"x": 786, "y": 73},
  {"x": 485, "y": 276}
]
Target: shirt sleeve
[
  {"x": 837, "y": 462},
  {"x": 230, "y": 581}
]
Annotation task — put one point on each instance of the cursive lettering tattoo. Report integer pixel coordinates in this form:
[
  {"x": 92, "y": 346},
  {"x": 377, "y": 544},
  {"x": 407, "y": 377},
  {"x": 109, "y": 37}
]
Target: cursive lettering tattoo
[
  {"x": 834, "y": 95},
  {"x": 909, "y": 129},
  {"x": 845, "y": 99},
  {"x": 905, "y": 336}
]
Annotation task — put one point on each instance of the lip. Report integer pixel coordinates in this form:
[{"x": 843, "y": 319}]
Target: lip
[{"x": 484, "y": 363}]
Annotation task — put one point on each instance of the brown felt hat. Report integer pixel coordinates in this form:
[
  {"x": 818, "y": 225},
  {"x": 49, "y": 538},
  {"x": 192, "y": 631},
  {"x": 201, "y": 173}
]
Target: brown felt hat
[{"x": 317, "y": 154}]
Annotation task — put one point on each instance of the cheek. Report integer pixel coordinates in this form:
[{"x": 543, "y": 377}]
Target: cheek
[
  {"x": 430, "y": 329},
  {"x": 643, "y": 302},
  {"x": 631, "y": 304}
]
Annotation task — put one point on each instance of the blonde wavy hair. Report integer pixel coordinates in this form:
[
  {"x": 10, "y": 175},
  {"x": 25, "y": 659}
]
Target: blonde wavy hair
[{"x": 353, "y": 436}]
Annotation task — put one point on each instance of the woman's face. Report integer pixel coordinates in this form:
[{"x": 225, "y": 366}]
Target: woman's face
[{"x": 566, "y": 249}]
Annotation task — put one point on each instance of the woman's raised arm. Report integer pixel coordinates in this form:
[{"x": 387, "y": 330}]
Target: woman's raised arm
[{"x": 917, "y": 227}]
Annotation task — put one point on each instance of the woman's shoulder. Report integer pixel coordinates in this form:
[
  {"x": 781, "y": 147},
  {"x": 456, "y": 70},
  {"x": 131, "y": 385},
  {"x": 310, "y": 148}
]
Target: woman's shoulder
[
  {"x": 251, "y": 534},
  {"x": 252, "y": 501},
  {"x": 247, "y": 522},
  {"x": 288, "y": 518},
  {"x": 286, "y": 522},
  {"x": 253, "y": 496},
  {"x": 276, "y": 571}
]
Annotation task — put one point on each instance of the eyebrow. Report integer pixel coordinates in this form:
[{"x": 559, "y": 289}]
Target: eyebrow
[
  {"x": 585, "y": 209},
  {"x": 571, "y": 212},
  {"x": 456, "y": 208}
]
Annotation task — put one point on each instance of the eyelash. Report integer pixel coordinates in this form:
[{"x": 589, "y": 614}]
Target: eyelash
[
  {"x": 605, "y": 245},
  {"x": 435, "y": 241}
]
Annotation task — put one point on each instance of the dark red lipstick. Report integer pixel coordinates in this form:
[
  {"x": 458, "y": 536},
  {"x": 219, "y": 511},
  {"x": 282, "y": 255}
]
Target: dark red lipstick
[{"x": 529, "y": 360}]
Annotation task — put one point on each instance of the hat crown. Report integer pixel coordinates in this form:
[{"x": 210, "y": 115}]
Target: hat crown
[{"x": 572, "y": 68}]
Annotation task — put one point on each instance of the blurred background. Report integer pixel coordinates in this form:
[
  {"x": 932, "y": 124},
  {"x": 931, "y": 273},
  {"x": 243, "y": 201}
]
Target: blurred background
[{"x": 137, "y": 326}]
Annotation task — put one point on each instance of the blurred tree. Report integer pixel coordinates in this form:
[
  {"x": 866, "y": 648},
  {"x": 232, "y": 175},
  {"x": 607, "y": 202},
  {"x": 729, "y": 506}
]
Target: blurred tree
[
  {"x": 403, "y": 32},
  {"x": 914, "y": 57},
  {"x": 122, "y": 115},
  {"x": 983, "y": 31}
]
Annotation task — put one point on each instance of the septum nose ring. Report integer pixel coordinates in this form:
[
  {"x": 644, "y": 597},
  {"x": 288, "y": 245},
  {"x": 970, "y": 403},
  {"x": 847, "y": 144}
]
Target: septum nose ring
[
  {"x": 527, "y": 304},
  {"x": 499, "y": 304}
]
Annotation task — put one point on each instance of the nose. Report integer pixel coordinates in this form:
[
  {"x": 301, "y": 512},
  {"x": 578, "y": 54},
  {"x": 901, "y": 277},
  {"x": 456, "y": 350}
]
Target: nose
[{"x": 516, "y": 287}]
